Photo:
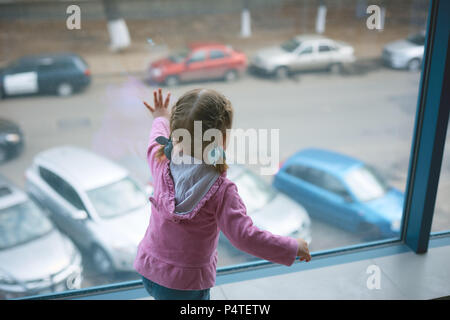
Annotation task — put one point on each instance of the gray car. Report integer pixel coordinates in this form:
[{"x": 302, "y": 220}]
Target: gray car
[
  {"x": 302, "y": 53},
  {"x": 35, "y": 258},
  {"x": 406, "y": 53},
  {"x": 94, "y": 201}
]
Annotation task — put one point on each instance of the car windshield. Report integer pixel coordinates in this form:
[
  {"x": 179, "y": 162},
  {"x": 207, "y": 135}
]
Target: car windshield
[
  {"x": 21, "y": 223},
  {"x": 290, "y": 45},
  {"x": 255, "y": 192},
  {"x": 117, "y": 198},
  {"x": 366, "y": 184},
  {"x": 179, "y": 56},
  {"x": 417, "y": 39}
]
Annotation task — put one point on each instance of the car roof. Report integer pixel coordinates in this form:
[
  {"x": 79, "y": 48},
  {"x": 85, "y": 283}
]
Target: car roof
[
  {"x": 310, "y": 37},
  {"x": 42, "y": 59},
  {"x": 10, "y": 194},
  {"x": 325, "y": 160},
  {"x": 81, "y": 167},
  {"x": 207, "y": 45}
]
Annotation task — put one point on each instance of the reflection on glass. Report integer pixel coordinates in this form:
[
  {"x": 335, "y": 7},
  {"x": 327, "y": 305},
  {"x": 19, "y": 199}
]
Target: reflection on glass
[
  {"x": 253, "y": 191},
  {"x": 441, "y": 217},
  {"x": 22, "y": 223},
  {"x": 290, "y": 45},
  {"x": 117, "y": 198},
  {"x": 354, "y": 92},
  {"x": 365, "y": 184}
]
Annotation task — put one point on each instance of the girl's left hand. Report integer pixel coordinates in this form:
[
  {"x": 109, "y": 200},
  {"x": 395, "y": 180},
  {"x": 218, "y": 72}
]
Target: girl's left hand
[{"x": 160, "y": 108}]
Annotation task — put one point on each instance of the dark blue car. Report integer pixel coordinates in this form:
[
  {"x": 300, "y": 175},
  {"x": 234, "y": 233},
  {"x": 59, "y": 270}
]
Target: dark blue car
[{"x": 342, "y": 191}]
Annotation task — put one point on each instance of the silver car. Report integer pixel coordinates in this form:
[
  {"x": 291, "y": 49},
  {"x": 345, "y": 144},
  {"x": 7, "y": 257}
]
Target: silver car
[
  {"x": 94, "y": 201},
  {"x": 269, "y": 209},
  {"x": 406, "y": 53},
  {"x": 35, "y": 258},
  {"x": 306, "y": 52}
]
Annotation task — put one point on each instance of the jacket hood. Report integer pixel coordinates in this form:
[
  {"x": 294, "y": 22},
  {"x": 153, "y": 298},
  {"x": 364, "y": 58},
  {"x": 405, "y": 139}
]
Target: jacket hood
[{"x": 194, "y": 187}]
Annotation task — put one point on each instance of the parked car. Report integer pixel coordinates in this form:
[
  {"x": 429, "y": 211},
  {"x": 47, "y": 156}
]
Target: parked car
[
  {"x": 406, "y": 53},
  {"x": 35, "y": 258},
  {"x": 302, "y": 53},
  {"x": 269, "y": 209},
  {"x": 61, "y": 74},
  {"x": 342, "y": 191},
  {"x": 94, "y": 201},
  {"x": 199, "y": 61},
  {"x": 11, "y": 140}
]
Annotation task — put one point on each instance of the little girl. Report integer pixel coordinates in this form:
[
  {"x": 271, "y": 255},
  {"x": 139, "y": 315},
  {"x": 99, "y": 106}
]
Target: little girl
[{"x": 194, "y": 200}]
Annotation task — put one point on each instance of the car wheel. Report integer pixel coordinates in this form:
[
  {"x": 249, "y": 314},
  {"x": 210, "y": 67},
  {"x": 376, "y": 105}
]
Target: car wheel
[
  {"x": 230, "y": 76},
  {"x": 414, "y": 65},
  {"x": 335, "y": 68},
  {"x": 281, "y": 73},
  {"x": 102, "y": 261},
  {"x": 172, "y": 81},
  {"x": 64, "y": 89}
]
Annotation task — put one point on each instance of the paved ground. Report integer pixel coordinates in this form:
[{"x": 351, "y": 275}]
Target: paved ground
[{"x": 367, "y": 113}]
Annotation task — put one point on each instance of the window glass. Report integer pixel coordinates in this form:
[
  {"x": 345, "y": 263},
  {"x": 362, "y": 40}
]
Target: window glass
[
  {"x": 216, "y": 54},
  {"x": 117, "y": 198},
  {"x": 197, "y": 56},
  {"x": 366, "y": 184},
  {"x": 22, "y": 223},
  {"x": 254, "y": 191},
  {"x": 441, "y": 217},
  {"x": 290, "y": 45},
  {"x": 324, "y": 48},
  {"x": 345, "y": 120},
  {"x": 307, "y": 50},
  {"x": 63, "y": 188}
]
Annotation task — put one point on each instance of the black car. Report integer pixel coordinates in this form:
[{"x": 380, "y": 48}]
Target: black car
[
  {"x": 11, "y": 140},
  {"x": 61, "y": 74}
]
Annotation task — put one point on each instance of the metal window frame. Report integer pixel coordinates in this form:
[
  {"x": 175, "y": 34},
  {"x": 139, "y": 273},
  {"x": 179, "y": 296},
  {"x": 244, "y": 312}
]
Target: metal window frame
[{"x": 423, "y": 176}]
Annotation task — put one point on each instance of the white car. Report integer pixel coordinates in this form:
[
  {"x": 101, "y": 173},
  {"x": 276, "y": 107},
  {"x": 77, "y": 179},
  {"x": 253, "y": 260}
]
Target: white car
[
  {"x": 406, "y": 53},
  {"x": 305, "y": 52},
  {"x": 94, "y": 201}
]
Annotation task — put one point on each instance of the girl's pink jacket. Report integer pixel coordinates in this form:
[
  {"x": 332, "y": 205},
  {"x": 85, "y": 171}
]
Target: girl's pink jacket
[{"x": 180, "y": 251}]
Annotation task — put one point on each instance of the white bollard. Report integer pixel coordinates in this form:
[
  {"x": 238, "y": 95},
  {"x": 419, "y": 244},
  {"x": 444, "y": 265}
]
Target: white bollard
[
  {"x": 246, "y": 30},
  {"x": 321, "y": 19},
  {"x": 119, "y": 35}
]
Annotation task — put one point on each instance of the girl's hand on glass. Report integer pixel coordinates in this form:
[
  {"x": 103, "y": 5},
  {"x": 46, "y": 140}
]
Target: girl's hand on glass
[
  {"x": 160, "y": 107},
  {"x": 303, "y": 251}
]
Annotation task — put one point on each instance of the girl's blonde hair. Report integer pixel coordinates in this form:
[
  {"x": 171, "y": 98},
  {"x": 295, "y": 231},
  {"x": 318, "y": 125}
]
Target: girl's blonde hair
[{"x": 205, "y": 105}]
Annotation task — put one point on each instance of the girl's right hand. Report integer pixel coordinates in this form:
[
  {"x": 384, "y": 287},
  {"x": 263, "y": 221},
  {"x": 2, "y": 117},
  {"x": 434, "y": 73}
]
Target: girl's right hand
[
  {"x": 160, "y": 108},
  {"x": 303, "y": 251}
]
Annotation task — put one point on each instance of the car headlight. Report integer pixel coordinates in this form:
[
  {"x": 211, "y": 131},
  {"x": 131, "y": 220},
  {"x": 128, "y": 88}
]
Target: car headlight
[
  {"x": 12, "y": 137},
  {"x": 395, "y": 225},
  {"x": 156, "y": 72}
]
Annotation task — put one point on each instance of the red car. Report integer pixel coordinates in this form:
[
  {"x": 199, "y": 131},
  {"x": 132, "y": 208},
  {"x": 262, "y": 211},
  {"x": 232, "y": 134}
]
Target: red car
[{"x": 200, "y": 61}]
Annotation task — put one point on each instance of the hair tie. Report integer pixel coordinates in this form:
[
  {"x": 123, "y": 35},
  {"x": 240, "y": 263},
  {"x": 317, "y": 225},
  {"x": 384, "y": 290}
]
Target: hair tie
[{"x": 168, "y": 146}]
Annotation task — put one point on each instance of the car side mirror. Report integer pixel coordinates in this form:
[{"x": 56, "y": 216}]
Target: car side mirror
[{"x": 79, "y": 215}]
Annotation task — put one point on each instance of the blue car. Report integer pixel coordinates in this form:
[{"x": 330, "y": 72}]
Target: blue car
[{"x": 342, "y": 191}]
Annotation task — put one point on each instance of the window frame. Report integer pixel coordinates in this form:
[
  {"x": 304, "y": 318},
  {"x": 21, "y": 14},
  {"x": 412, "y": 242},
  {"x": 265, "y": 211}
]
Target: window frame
[{"x": 423, "y": 176}]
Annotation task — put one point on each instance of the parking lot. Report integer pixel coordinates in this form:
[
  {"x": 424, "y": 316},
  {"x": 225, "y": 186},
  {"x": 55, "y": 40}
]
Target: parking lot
[{"x": 367, "y": 113}]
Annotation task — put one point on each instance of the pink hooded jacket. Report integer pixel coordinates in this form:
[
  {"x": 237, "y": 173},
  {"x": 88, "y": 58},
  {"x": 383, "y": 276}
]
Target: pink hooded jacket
[{"x": 180, "y": 251}]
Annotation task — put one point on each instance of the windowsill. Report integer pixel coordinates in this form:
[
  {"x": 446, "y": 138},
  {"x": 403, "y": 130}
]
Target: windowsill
[{"x": 332, "y": 276}]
